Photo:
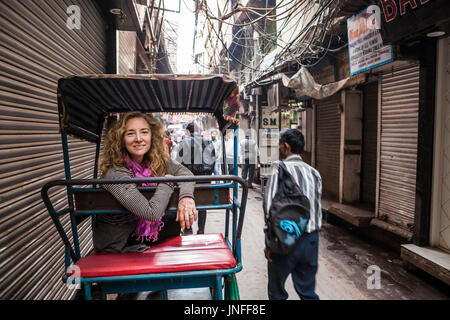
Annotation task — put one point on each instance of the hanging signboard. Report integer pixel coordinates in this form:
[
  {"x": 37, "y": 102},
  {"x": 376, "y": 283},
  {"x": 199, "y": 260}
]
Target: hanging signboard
[{"x": 365, "y": 45}]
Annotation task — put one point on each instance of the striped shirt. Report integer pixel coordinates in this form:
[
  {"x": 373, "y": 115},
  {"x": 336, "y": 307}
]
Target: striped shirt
[
  {"x": 136, "y": 203},
  {"x": 309, "y": 181},
  {"x": 111, "y": 231}
]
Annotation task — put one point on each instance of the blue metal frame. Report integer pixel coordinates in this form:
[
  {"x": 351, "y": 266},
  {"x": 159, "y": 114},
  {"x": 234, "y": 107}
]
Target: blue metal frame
[
  {"x": 158, "y": 281},
  {"x": 161, "y": 281}
]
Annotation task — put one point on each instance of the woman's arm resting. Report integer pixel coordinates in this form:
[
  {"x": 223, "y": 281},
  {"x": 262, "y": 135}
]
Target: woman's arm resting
[{"x": 134, "y": 201}]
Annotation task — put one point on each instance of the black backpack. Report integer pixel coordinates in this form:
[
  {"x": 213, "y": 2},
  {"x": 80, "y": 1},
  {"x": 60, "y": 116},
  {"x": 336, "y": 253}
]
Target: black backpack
[
  {"x": 208, "y": 155},
  {"x": 288, "y": 214}
]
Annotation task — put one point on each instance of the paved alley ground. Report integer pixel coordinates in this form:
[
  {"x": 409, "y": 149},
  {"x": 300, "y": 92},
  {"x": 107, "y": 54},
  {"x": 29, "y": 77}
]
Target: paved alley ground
[
  {"x": 344, "y": 264},
  {"x": 348, "y": 266}
]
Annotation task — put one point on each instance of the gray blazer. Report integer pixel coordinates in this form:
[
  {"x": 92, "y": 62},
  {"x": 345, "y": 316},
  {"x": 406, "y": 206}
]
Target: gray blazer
[{"x": 111, "y": 231}]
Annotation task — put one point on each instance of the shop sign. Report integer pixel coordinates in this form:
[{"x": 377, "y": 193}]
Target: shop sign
[
  {"x": 269, "y": 120},
  {"x": 409, "y": 19},
  {"x": 365, "y": 45},
  {"x": 391, "y": 8}
]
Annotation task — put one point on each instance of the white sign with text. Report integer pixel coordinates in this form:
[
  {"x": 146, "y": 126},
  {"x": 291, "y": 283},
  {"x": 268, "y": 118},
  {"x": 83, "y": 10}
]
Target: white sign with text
[{"x": 365, "y": 45}]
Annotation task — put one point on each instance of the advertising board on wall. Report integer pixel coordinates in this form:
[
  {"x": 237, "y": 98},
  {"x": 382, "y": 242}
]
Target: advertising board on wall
[
  {"x": 365, "y": 45},
  {"x": 269, "y": 119}
]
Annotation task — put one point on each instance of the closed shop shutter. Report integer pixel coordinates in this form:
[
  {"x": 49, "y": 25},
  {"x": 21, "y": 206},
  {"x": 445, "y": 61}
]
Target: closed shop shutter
[
  {"x": 369, "y": 147},
  {"x": 328, "y": 139},
  {"x": 36, "y": 49},
  {"x": 127, "y": 52},
  {"x": 398, "y": 145}
]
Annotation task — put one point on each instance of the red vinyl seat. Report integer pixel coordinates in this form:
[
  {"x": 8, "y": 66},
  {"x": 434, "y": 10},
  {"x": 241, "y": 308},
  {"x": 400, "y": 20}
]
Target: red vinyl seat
[{"x": 187, "y": 253}]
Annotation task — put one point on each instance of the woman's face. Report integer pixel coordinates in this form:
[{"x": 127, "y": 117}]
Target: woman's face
[{"x": 137, "y": 138}]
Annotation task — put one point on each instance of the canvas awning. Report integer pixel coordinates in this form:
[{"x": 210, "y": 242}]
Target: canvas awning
[{"x": 304, "y": 84}]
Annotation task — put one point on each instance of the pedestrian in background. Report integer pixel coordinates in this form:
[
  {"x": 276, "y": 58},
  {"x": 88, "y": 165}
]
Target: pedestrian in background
[
  {"x": 169, "y": 142},
  {"x": 249, "y": 158},
  {"x": 217, "y": 143},
  {"x": 302, "y": 262},
  {"x": 198, "y": 155},
  {"x": 229, "y": 151}
]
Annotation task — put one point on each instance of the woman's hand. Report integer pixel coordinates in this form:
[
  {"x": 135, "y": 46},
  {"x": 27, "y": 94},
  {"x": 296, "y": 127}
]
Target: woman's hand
[{"x": 187, "y": 213}]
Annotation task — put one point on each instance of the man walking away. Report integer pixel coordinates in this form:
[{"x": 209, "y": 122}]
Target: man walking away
[
  {"x": 218, "y": 151},
  {"x": 302, "y": 262},
  {"x": 229, "y": 149},
  {"x": 249, "y": 157},
  {"x": 169, "y": 142},
  {"x": 198, "y": 155}
]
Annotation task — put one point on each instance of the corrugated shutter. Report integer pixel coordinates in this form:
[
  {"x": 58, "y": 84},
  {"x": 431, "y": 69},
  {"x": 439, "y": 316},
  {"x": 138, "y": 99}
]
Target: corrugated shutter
[
  {"x": 369, "y": 147},
  {"x": 328, "y": 139},
  {"x": 399, "y": 127},
  {"x": 36, "y": 49},
  {"x": 127, "y": 52}
]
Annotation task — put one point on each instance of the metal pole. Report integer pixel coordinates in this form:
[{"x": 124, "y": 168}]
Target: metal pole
[
  {"x": 235, "y": 185},
  {"x": 65, "y": 146}
]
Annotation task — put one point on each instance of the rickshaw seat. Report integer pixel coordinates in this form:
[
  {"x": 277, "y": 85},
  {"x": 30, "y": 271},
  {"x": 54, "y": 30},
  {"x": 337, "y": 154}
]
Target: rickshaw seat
[{"x": 182, "y": 253}]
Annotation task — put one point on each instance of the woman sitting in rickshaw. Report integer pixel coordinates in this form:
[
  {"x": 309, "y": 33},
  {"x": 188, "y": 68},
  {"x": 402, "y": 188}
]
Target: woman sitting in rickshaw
[{"x": 135, "y": 147}]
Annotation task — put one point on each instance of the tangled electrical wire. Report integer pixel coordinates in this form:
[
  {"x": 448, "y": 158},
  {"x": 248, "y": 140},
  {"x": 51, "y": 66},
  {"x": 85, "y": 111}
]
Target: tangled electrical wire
[{"x": 301, "y": 31}]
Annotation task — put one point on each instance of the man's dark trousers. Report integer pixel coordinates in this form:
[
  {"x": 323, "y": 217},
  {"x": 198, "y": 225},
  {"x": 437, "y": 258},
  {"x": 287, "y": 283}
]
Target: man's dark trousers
[
  {"x": 301, "y": 263},
  {"x": 249, "y": 168},
  {"x": 201, "y": 221}
]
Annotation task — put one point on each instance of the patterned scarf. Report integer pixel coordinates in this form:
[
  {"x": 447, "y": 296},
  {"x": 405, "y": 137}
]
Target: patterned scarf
[{"x": 145, "y": 230}]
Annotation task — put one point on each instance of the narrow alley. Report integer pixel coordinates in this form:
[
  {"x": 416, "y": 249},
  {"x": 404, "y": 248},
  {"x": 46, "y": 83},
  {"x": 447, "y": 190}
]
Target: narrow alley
[{"x": 93, "y": 90}]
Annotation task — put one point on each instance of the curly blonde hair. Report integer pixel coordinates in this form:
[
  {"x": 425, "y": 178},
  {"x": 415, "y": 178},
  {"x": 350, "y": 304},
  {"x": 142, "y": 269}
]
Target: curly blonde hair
[{"x": 114, "y": 149}]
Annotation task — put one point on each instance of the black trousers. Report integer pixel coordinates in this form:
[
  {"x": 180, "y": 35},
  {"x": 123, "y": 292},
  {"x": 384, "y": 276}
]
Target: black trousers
[
  {"x": 248, "y": 169},
  {"x": 201, "y": 221},
  {"x": 301, "y": 264}
]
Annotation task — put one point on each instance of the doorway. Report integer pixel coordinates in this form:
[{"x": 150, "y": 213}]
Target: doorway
[{"x": 369, "y": 145}]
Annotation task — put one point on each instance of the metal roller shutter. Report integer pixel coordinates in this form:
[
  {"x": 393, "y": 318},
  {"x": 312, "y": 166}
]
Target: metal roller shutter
[
  {"x": 328, "y": 140},
  {"x": 369, "y": 147},
  {"x": 127, "y": 52},
  {"x": 36, "y": 49},
  {"x": 398, "y": 145}
]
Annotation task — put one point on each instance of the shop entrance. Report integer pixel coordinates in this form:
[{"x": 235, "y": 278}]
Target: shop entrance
[{"x": 369, "y": 145}]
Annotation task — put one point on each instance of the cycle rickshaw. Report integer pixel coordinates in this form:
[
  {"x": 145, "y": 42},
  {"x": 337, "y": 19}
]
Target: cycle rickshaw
[{"x": 208, "y": 260}]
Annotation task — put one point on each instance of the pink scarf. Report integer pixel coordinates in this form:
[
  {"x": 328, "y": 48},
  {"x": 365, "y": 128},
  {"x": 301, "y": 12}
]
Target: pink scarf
[{"x": 145, "y": 230}]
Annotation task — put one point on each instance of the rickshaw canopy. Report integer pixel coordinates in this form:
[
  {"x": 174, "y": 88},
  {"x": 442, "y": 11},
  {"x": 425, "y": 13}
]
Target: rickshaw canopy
[{"x": 85, "y": 100}]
